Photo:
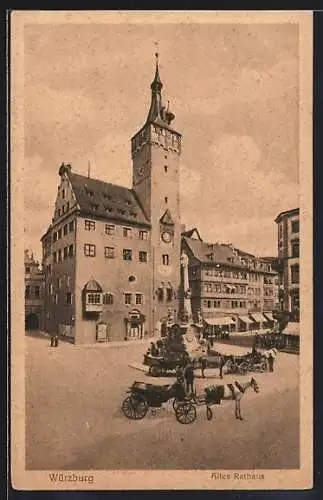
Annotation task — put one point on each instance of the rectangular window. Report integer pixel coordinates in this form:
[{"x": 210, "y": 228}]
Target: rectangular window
[
  {"x": 71, "y": 226},
  {"x": 127, "y": 232},
  {"x": 59, "y": 283},
  {"x": 217, "y": 303},
  {"x": 127, "y": 298},
  {"x": 70, "y": 251},
  {"x": 65, "y": 253},
  {"x": 89, "y": 250},
  {"x": 27, "y": 291},
  {"x": 50, "y": 289},
  {"x": 169, "y": 294},
  {"x": 37, "y": 292},
  {"x": 127, "y": 254},
  {"x": 89, "y": 225},
  {"x": 59, "y": 255},
  {"x": 209, "y": 304},
  {"x": 63, "y": 193},
  {"x": 68, "y": 281},
  {"x": 55, "y": 298},
  {"x": 68, "y": 298},
  {"x": 65, "y": 230},
  {"x": 295, "y": 274},
  {"x": 295, "y": 248},
  {"x": 143, "y": 235},
  {"x": 27, "y": 269},
  {"x": 59, "y": 234},
  {"x": 109, "y": 252},
  {"x": 142, "y": 256},
  {"x": 110, "y": 229},
  {"x": 108, "y": 299},
  {"x": 49, "y": 269},
  {"x": 295, "y": 226},
  {"x": 54, "y": 237},
  {"x": 94, "y": 298},
  {"x": 139, "y": 299},
  {"x": 165, "y": 259}
]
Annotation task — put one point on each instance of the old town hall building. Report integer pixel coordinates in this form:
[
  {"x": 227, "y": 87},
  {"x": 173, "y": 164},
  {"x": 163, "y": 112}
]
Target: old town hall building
[{"x": 111, "y": 254}]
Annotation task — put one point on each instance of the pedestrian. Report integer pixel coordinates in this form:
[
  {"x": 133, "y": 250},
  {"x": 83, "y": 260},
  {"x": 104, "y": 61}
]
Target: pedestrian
[
  {"x": 203, "y": 366},
  {"x": 189, "y": 378},
  {"x": 52, "y": 340},
  {"x": 271, "y": 360}
]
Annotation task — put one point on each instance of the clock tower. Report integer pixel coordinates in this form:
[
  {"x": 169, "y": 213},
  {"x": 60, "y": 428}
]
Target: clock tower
[{"x": 156, "y": 151}]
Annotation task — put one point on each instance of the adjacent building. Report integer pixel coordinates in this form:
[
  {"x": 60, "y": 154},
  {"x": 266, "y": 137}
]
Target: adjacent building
[
  {"x": 230, "y": 289},
  {"x": 34, "y": 293},
  {"x": 111, "y": 254},
  {"x": 288, "y": 257}
]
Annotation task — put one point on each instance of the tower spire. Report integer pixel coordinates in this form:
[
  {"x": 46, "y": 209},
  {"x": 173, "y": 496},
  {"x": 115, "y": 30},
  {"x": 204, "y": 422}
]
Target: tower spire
[{"x": 157, "y": 111}]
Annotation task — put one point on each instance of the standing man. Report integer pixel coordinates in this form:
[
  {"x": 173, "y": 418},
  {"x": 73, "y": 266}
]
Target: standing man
[
  {"x": 271, "y": 360},
  {"x": 189, "y": 377}
]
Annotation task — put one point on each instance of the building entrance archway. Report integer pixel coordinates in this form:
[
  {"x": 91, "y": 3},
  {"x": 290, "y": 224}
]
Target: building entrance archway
[{"x": 32, "y": 322}]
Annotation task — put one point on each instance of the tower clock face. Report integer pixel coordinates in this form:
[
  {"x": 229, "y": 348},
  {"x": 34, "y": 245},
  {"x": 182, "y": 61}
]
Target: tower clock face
[{"x": 167, "y": 236}]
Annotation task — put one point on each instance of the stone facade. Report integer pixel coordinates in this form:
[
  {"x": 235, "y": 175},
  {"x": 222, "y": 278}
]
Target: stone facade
[
  {"x": 34, "y": 294},
  {"x": 288, "y": 257},
  {"x": 230, "y": 289},
  {"x": 111, "y": 254}
]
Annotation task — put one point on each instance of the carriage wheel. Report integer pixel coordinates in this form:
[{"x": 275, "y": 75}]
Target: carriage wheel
[
  {"x": 185, "y": 413},
  {"x": 209, "y": 413},
  {"x": 135, "y": 407},
  {"x": 155, "y": 371}
]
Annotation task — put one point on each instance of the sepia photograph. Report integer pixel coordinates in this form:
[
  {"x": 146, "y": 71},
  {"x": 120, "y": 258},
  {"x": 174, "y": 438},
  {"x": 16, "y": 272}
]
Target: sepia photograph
[{"x": 161, "y": 242}]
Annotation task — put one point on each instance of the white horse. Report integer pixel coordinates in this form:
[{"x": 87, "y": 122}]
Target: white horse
[{"x": 236, "y": 391}]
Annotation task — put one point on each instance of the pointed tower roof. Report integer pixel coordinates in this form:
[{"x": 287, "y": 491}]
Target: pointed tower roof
[
  {"x": 157, "y": 83},
  {"x": 166, "y": 218},
  {"x": 157, "y": 112}
]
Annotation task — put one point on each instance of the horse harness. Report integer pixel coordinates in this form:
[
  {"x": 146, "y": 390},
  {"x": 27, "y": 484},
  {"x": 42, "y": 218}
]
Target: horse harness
[{"x": 238, "y": 386}]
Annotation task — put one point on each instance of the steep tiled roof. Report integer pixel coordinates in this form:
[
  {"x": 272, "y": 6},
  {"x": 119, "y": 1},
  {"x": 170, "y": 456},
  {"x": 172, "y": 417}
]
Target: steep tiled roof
[
  {"x": 189, "y": 233},
  {"x": 202, "y": 251},
  {"x": 103, "y": 199},
  {"x": 220, "y": 253}
]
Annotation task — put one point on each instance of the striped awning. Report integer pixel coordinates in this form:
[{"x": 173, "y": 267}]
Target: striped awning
[
  {"x": 258, "y": 317},
  {"x": 246, "y": 320},
  {"x": 269, "y": 316},
  {"x": 224, "y": 320}
]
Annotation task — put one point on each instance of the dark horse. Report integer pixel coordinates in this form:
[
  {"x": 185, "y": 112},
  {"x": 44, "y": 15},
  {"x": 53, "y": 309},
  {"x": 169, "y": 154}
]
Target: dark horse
[{"x": 216, "y": 361}]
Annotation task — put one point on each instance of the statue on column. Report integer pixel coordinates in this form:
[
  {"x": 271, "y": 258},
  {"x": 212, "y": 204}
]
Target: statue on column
[{"x": 186, "y": 312}]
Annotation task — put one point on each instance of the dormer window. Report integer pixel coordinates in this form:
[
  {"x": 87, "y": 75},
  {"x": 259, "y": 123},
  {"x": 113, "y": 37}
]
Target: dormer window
[
  {"x": 108, "y": 209},
  {"x": 94, "y": 207}
]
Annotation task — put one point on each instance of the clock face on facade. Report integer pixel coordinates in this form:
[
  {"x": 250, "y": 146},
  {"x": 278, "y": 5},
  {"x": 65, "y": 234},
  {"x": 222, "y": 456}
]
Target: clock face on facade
[{"x": 167, "y": 236}]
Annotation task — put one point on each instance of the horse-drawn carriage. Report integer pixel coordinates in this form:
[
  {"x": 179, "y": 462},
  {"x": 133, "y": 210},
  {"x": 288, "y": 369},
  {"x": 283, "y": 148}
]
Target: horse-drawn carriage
[
  {"x": 143, "y": 396},
  {"x": 162, "y": 365}
]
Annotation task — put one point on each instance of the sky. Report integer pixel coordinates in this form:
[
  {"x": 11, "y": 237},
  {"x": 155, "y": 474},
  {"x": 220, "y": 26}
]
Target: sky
[{"x": 233, "y": 89}]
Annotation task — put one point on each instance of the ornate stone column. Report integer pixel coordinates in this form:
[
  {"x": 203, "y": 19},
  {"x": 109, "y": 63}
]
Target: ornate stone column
[{"x": 186, "y": 302}]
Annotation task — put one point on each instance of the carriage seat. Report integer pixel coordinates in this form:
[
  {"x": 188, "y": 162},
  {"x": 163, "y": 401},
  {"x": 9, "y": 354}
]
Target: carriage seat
[{"x": 214, "y": 394}]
